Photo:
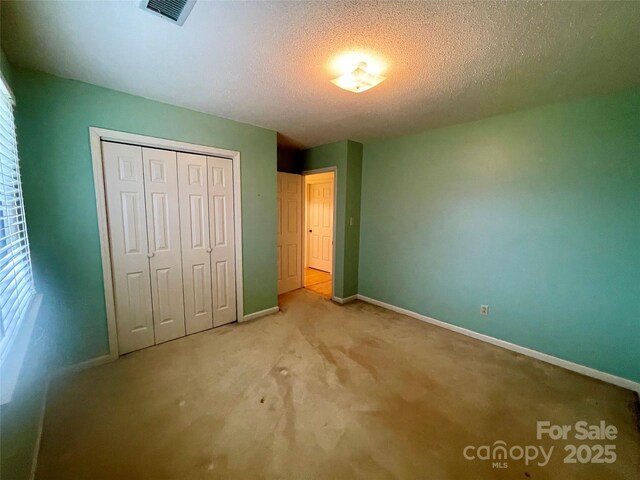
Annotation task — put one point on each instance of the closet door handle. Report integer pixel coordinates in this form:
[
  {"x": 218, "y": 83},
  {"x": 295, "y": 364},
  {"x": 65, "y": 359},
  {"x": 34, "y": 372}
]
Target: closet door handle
[
  {"x": 150, "y": 254},
  {"x": 209, "y": 250}
]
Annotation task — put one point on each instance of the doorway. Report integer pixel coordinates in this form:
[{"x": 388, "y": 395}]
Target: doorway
[
  {"x": 306, "y": 233},
  {"x": 319, "y": 209}
]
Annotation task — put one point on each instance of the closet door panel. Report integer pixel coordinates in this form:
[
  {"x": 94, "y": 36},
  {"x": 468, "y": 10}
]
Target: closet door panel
[
  {"x": 163, "y": 226},
  {"x": 220, "y": 180},
  {"x": 194, "y": 231},
  {"x": 126, "y": 217}
]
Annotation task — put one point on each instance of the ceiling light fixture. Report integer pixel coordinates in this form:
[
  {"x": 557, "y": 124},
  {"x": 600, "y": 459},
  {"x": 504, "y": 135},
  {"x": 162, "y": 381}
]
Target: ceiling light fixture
[{"x": 359, "y": 79}]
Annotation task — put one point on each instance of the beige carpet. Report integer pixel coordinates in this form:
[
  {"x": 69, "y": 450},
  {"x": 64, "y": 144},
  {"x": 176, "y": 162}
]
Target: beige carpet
[{"x": 322, "y": 391}]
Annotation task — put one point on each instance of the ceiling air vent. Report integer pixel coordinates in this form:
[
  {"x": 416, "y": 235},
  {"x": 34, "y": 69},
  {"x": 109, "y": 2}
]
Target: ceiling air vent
[{"x": 175, "y": 11}]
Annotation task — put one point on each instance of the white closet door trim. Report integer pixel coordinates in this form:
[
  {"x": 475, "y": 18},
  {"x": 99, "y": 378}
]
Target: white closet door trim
[{"x": 97, "y": 135}]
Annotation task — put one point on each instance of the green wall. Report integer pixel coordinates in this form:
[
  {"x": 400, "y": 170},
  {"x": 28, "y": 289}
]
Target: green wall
[
  {"x": 346, "y": 156},
  {"x": 53, "y": 118},
  {"x": 536, "y": 214},
  {"x": 20, "y": 418}
]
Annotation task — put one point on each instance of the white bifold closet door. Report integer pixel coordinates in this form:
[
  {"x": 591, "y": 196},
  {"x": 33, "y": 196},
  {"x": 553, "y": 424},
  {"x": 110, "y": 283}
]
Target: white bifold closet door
[
  {"x": 124, "y": 185},
  {"x": 144, "y": 226},
  {"x": 221, "y": 228},
  {"x": 172, "y": 239},
  {"x": 163, "y": 226},
  {"x": 196, "y": 250},
  {"x": 208, "y": 243}
]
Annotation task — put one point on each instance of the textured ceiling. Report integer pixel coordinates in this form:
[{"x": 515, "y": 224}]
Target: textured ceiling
[{"x": 269, "y": 63}]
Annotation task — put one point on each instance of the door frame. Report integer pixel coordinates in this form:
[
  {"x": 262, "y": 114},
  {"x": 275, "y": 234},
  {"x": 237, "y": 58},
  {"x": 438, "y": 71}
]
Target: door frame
[
  {"x": 335, "y": 210},
  {"x": 96, "y": 136}
]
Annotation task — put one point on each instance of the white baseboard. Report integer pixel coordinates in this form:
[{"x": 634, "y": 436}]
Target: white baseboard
[
  {"x": 344, "y": 300},
  {"x": 36, "y": 448},
  {"x": 110, "y": 357},
  {"x": 590, "y": 372},
  {"x": 261, "y": 313},
  {"x": 92, "y": 362}
]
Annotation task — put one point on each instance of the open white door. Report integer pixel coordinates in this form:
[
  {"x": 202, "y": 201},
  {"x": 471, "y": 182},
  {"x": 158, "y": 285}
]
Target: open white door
[
  {"x": 289, "y": 232},
  {"x": 320, "y": 226}
]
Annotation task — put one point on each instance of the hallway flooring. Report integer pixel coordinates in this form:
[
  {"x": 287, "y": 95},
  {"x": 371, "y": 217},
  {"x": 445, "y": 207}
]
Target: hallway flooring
[{"x": 318, "y": 281}]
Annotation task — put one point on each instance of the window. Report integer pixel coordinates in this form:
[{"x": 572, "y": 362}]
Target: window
[{"x": 16, "y": 281}]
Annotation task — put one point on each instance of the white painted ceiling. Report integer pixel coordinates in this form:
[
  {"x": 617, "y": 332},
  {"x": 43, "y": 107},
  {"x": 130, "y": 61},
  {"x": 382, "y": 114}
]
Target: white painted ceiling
[{"x": 268, "y": 63}]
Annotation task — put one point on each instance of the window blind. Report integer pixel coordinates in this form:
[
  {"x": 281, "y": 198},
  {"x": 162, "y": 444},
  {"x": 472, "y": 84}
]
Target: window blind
[{"x": 16, "y": 281}]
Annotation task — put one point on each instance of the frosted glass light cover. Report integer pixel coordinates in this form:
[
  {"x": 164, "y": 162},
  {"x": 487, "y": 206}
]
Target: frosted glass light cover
[{"x": 359, "y": 80}]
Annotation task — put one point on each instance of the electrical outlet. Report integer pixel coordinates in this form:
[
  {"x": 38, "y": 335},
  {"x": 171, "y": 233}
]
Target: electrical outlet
[
  {"x": 484, "y": 310},
  {"x": 351, "y": 221}
]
